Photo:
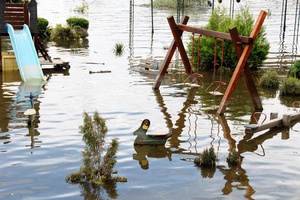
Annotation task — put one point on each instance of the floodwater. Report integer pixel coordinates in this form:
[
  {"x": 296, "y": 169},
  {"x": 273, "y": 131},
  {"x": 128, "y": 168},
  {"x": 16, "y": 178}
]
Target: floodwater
[{"x": 36, "y": 160}]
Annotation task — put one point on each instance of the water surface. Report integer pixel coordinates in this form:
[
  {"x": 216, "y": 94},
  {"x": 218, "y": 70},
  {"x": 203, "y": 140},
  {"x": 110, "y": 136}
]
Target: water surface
[{"x": 35, "y": 161}]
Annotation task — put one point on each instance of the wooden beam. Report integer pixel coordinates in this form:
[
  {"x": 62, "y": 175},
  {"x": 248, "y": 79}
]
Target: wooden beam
[
  {"x": 167, "y": 59},
  {"x": 241, "y": 64},
  {"x": 177, "y": 37},
  {"x": 247, "y": 72},
  {"x": 215, "y": 34}
]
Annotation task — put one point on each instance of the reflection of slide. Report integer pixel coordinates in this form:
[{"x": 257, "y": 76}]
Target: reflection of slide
[{"x": 25, "y": 53}]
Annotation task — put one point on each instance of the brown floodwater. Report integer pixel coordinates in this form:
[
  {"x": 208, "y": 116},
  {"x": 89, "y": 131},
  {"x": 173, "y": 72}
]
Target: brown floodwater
[{"x": 35, "y": 161}]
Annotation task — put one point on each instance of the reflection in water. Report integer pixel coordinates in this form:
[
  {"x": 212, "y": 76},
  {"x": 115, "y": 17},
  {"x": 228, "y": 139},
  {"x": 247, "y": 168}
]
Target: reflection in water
[
  {"x": 151, "y": 151},
  {"x": 235, "y": 176},
  {"x": 281, "y": 49},
  {"x": 296, "y": 31},
  {"x": 15, "y": 96},
  {"x": 32, "y": 133},
  {"x": 94, "y": 191}
]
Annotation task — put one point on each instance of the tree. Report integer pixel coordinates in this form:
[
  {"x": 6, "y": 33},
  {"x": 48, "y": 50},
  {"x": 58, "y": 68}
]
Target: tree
[{"x": 220, "y": 21}]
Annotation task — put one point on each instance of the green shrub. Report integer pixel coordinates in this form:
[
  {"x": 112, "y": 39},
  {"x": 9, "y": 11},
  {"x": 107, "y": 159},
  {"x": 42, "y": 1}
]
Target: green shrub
[
  {"x": 207, "y": 159},
  {"x": 97, "y": 167},
  {"x": 290, "y": 86},
  {"x": 74, "y": 21},
  {"x": 270, "y": 79},
  {"x": 295, "y": 70},
  {"x": 79, "y": 32},
  {"x": 43, "y": 29},
  {"x": 220, "y": 21},
  {"x": 62, "y": 33}
]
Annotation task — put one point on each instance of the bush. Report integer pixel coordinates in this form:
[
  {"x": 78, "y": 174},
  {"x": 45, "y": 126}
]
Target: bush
[
  {"x": 220, "y": 21},
  {"x": 207, "y": 159},
  {"x": 74, "y": 21},
  {"x": 97, "y": 167},
  {"x": 233, "y": 158},
  {"x": 290, "y": 86},
  {"x": 62, "y": 33},
  {"x": 295, "y": 70},
  {"x": 43, "y": 29},
  {"x": 270, "y": 79}
]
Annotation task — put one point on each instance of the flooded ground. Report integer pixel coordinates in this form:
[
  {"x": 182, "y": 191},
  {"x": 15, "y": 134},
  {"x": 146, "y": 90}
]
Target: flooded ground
[{"x": 35, "y": 161}]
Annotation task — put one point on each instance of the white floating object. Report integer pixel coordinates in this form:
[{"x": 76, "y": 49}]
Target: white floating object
[
  {"x": 216, "y": 93},
  {"x": 30, "y": 111}
]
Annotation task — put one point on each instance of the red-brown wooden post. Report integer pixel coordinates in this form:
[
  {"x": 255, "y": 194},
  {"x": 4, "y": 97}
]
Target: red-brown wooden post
[
  {"x": 247, "y": 72},
  {"x": 241, "y": 64},
  {"x": 167, "y": 59},
  {"x": 177, "y": 36}
]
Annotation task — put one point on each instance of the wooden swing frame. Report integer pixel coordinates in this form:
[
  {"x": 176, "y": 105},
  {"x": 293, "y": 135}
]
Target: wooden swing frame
[
  {"x": 243, "y": 46},
  {"x": 217, "y": 84}
]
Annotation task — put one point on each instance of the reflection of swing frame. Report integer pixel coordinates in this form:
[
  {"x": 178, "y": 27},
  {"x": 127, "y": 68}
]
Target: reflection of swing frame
[{"x": 243, "y": 47}]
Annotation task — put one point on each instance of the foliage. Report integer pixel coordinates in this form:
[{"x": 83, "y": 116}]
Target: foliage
[
  {"x": 43, "y": 29},
  {"x": 97, "y": 169},
  {"x": 61, "y": 33},
  {"x": 290, "y": 86},
  {"x": 75, "y": 21},
  {"x": 220, "y": 21},
  {"x": 295, "y": 70},
  {"x": 207, "y": 159},
  {"x": 233, "y": 158},
  {"x": 270, "y": 79},
  {"x": 119, "y": 49}
]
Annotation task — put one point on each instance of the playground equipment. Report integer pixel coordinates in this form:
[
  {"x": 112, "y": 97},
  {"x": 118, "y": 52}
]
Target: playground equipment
[
  {"x": 243, "y": 47},
  {"x": 25, "y": 53},
  {"x": 18, "y": 15},
  {"x": 217, "y": 86}
]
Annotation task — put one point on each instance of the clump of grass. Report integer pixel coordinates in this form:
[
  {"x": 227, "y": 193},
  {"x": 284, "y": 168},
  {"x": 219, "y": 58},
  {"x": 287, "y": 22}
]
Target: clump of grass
[
  {"x": 270, "y": 79},
  {"x": 290, "y": 86},
  {"x": 207, "y": 159},
  {"x": 233, "y": 158},
  {"x": 119, "y": 49},
  {"x": 97, "y": 167}
]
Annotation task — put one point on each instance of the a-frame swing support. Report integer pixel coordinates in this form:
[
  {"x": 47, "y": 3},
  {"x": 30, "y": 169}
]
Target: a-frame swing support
[{"x": 243, "y": 46}]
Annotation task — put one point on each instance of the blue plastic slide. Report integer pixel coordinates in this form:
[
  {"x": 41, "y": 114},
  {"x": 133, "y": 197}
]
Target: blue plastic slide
[{"x": 26, "y": 55}]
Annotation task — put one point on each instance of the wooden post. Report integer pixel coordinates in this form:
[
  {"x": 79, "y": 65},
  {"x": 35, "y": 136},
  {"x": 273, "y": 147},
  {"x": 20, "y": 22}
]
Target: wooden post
[
  {"x": 2, "y": 20},
  {"x": 32, "y": 7},
  {"x": 167, "y": 59},
  {"x": 247, "y": 72},
  {"x": 177, "y": 36},
  {"x": 25, "y": 13},
  {"x": 286, "y": 120},
  {"x": 241, "y": 64}
]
